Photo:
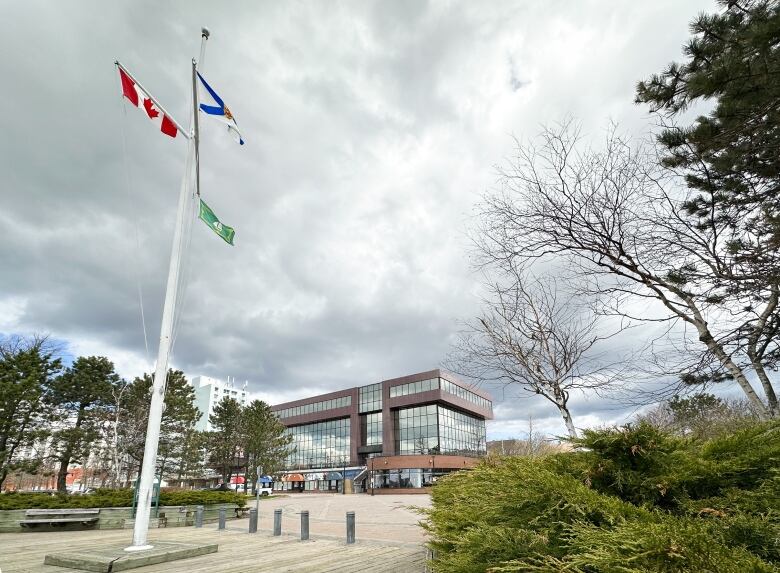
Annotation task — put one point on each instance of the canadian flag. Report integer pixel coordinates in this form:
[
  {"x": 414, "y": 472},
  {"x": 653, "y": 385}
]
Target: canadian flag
[{"x": 142, "y": 100}]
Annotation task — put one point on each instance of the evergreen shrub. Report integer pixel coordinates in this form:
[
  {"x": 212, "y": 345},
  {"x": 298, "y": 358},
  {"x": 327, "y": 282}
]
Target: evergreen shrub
[
  {"x": 628, "y": 500},
  {"x": 113, "y": 498}
]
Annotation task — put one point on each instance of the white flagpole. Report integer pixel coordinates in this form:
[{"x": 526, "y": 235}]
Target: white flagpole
[
  {"x": 195, "y": 132},
  {"x": 146, "y": 484}
]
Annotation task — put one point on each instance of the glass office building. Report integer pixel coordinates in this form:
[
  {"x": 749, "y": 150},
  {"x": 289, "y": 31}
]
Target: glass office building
[{"x": 417, "y": 427}]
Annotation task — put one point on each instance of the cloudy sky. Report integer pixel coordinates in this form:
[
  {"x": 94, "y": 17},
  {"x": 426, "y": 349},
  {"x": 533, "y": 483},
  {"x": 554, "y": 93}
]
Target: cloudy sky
[{"x": 372, "y": 128}]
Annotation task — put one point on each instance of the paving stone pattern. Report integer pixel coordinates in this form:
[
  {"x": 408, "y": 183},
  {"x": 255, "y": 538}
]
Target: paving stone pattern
[{"x": 388, "y": 540}]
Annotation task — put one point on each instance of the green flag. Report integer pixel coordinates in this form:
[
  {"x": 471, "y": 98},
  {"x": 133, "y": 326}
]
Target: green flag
[{"x": 207, "y": 216}]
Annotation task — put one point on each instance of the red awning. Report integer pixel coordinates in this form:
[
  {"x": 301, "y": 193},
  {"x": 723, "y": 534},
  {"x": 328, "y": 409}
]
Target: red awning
[{"x": 293, "y": 477}]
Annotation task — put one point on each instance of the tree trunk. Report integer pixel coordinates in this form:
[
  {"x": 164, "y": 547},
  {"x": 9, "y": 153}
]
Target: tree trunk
[
  {"x": 67, "y": 455},
  {"x": 739, "y": 376},
  {"x": 566, "y": 415},
  {"x": 756, "y": 356},
  {"x": 771, "y": 397},
  {"x": 62, "y": 473}
]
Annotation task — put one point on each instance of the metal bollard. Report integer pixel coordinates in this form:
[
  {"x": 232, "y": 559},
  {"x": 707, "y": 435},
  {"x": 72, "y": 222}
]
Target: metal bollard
[
  {"x": 199, "y": 516},
  {"x": 221, "y": 518},
  {"x": 252, "y": 520},
  {"x": 304, "y": 525},
  {"x": 277, "y": 522},
  {"x": 350, "y": 527}
]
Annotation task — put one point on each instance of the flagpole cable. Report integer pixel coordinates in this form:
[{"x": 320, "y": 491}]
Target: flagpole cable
[
  {"x": 137, "y": 257},
  {"x": 186, "y": 267},
  {"x": 187, "y": 234},
  {"x": 186, "y": 238}
]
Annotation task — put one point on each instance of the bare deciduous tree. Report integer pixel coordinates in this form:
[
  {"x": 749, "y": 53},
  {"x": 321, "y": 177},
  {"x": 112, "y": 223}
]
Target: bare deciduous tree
[
  {"x": 532, "y": 337},
  {"x": 619, "y": 222},
  {"x": 535, "y": 445}
]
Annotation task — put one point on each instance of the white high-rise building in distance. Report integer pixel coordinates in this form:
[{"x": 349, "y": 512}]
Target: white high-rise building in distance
[{"x": 209, "y": 392}]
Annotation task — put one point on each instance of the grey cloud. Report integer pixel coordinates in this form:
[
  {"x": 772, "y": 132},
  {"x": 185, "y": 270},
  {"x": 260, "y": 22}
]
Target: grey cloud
[{"x": 371, "y": 129}]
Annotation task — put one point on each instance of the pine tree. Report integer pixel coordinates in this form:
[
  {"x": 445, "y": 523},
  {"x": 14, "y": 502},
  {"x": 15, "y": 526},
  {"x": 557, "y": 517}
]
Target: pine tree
[
  {"x": 189, "y": 456},
  {"x": 730, "y": 159},
  {"x": 225, "y": 440},
  {"x": 266, "y": 442},
  {"x": 731, "y": 155},
  {"x": 180, "y": 414},
  {"x": 79, "y": 396},
  {"x": 27, "y": 369}
]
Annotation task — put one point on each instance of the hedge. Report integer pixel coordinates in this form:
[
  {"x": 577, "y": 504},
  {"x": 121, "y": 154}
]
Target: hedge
[
  {"x": 630, "y": 500},
  {"x": 114, "y": 498}
]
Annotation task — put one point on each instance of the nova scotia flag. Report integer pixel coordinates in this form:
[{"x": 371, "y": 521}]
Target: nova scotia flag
[{"x": 218, "y": 110}]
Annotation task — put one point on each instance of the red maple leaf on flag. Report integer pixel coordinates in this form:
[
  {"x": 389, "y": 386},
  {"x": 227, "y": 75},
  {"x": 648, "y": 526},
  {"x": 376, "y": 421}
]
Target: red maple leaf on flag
[{"x": 149, "y": 107}]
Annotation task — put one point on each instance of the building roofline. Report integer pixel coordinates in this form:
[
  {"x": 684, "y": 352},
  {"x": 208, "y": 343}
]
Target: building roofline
[{"x": 435, "y": 373}]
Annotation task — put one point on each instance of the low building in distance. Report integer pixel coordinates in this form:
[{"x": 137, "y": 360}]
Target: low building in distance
[
  {"x": 209, "y": 392},
  {"x": 399, "y": 433}
]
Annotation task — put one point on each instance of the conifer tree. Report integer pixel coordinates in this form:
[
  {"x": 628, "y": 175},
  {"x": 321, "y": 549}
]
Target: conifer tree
[
  {"x": 266, "y": 442},
  {"x": 27, "y": 369},
  {"x": 180, "y": 414},
  {"x": 730, "y": 158},
  {"x": 79, "y": 397},
  {"x": 225, "y": 439}
]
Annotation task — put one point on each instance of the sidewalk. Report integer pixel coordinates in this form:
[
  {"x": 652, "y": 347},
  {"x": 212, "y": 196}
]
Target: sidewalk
[
  {"x": 377, "y": 518},
  {"x": 386, "y": 530}
]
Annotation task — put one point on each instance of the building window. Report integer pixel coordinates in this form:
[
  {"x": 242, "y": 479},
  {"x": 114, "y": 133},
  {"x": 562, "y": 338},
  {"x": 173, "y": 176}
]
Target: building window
[
  {"x": 416, "y": 430},
  {"x": 434, "y": 429},
  {"x": 460, "y": 433},
  {"x": 370, "y": 398},
  {"x": 371, "y": 426},
  {"x": 341, "y": 402},
  {"x": 408, "y": 478},
  {"x": 465, "y": 394},
  {"x": 443, "y": 384},
  {"x": 322, "y": 444},
  {"x": 414, "y": 387}
]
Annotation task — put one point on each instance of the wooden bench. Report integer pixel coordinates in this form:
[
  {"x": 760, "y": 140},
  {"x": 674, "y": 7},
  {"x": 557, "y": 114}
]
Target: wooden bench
[{"x": 57, "y": 517}]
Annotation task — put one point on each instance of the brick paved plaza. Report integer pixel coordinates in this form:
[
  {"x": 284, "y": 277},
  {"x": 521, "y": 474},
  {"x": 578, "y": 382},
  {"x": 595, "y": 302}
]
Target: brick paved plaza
[{"x": 388, "y": 539}]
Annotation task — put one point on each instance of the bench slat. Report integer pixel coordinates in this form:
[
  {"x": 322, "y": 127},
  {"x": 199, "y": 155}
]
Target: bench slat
[
  {"x": 59, "y": 520},
  {"x": 62, "y": 512}
]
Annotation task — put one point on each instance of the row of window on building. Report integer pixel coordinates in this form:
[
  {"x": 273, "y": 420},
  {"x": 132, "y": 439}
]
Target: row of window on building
[
  {"x": 341, "y": 402},
  {"x": 406, "y": 478},
  {"x": 439, "y": 384},
  {"x": 437, "y": 429},
  {"x": 370, "y": 397},
  {"x": 380, "y": 479}
]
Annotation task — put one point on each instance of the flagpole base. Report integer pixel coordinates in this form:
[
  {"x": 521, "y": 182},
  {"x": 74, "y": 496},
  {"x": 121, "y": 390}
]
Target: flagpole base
[{"x": 139, "y": 548}]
